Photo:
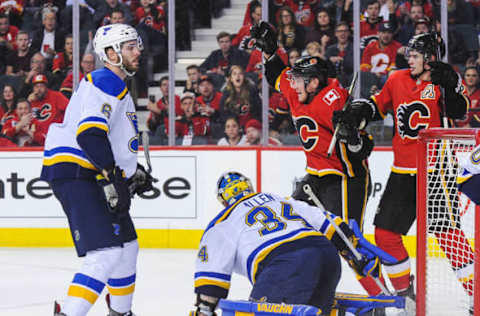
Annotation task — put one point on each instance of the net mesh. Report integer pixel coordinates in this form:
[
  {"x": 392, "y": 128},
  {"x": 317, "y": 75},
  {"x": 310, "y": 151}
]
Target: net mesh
[{"x": 450, "y": 231}]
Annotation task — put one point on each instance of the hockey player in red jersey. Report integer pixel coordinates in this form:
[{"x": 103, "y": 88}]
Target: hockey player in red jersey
[
  {"x": 415, "y": 98},
  {"x": 342, "y": 181}
]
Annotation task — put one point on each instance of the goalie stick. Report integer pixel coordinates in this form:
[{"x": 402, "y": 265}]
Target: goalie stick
[{"x": 308, "y": 190}]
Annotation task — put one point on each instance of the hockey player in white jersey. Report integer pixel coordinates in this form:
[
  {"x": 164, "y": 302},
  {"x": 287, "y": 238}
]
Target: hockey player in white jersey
[
  {"x": 469, "y": 178},
  {"x": 286, "y": 248},
  {"x": 90, "y": 161}
]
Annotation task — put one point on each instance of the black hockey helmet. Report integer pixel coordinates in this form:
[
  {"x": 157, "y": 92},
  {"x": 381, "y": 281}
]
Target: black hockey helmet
[
  {"x": 426, "y": 44},
  {"x": 309, "y": 67}
]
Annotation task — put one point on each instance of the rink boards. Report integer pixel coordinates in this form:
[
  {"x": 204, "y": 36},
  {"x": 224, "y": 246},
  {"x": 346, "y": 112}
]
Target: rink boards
[{"x": 181, "y": 206}]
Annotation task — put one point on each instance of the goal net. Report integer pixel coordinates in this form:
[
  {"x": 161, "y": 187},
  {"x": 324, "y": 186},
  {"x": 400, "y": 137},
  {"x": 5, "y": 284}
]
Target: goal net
[{"x": 447, "y": 226}]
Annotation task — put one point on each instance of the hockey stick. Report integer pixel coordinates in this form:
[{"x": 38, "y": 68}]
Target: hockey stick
[
  {"x": 308, "y": 190},
  {"x": 349, "y": 100},
  {"x": 146, "y": 150}
]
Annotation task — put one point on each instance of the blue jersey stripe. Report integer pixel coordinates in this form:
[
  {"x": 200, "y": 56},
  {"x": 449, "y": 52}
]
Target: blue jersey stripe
[
  {"x": 122, "y": 282},
  {"x": 89, "y": 282},
  {"x": 222, "y": 276},
  {"x": 268, "y": 243},
  {"x": 64, "y": 149},
  {"x": 93, "y": 119},
  {"x": 324, "y": 226}
]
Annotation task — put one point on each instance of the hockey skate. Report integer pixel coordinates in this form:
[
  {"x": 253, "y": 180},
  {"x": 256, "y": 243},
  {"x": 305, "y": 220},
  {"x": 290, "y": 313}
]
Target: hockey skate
[
  {"x": 111, "y": 312},
  {"x": 410, "y": 300},
  {"x": 57, "y": 310}
]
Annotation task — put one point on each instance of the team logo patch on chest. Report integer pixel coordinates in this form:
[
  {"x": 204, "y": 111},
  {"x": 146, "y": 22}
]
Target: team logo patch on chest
[
  {"x": 308, "y": 131},
  {"x": 331, "y": 96},
  {"x": 43, "y": 113},
  {"x": 411, "y": 119}
]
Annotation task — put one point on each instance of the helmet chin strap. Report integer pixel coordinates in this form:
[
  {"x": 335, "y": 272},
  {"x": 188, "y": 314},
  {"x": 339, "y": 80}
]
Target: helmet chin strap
[{"x": 121, "y": 65}]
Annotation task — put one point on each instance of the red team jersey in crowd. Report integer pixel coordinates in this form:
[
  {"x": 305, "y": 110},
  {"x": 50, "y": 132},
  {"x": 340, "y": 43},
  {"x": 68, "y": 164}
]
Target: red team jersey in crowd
[
  {"x": 314, "y": 125},
  {"x": 378, "y": 60},
  {"x": 21, "y": 137},
  {"x": 472, "y": 116},
  {"x": 61, "y": 62},
  {"x": 255, "y": 62},
  {"x": 67, "y": 84},
  {"x": 303, "y": 10},
  {"x": 213, "y": 103},
  {"x": 415, "y": 106},
  {"x": 367, "y": 29},
  {"x": 157, "y": 23},
  {"x": 14, "y": 6},
  {"x": 50, "y": 110},
  {"x": 243, "y": 34},
  {"x": 11, "y": 35}
]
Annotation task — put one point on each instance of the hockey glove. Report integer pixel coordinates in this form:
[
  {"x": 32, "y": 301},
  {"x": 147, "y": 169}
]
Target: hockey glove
[
  {"x": 116, "y": 191},
  {"x": 141, "y": 181},
  {"x": 206, "y": 306},
  {"x": 443, "y": 74},
  {"x": 265, "y": 37},
  {"x": 347, "y": 131}
]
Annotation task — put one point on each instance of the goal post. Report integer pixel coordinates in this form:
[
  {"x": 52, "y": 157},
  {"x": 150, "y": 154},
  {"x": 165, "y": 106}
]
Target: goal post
[{"x": 448, "y": 226}]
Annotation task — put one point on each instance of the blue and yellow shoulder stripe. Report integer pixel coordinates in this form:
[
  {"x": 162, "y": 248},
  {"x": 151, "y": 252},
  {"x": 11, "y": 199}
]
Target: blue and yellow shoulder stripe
[
  {"x": 108, "y": 82},
  {"x": 90, "y": 122}
]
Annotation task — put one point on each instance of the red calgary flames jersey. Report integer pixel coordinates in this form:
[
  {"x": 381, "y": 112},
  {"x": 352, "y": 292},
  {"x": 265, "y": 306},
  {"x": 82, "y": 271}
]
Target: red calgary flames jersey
[
  {"x": 416, "y": 105},
  {"x": 50, "y": 110},
  {"x": 378, "y": 60},
  {"x": 314, "y": 125}
]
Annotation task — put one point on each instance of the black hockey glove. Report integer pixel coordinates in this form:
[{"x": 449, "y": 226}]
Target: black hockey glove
[
  {"x": 141, "y": 181},
  {"x": 443, "y": 74},
  {"x": 116, "y": 191},
  {"x": 204, "y": 306},
  {"x": 265, "y": 37},
  {"x": 347, "y": 131}
]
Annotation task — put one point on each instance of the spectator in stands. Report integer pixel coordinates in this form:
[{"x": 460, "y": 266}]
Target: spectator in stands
[
  {"x": 293, "y": 55},
  {"x": 117, "y": 16},
  {"x": 152, "y": 15},
  {"x": 18, "y": 62},
  {"x": 193, "y": 75},
  {"x": 341, "y": 53},
  {"x": 13, "y": 9},
  {"x": 62, "y": 62},
  {"x": 190, "y": 127},
  {"x": 315, "y": 49},
  {"x": 8, "y": 102},
  {"x": 290, "y": 34},
  {"x": 49, "y": 38},
  {"x": 38, "y": 66},
  {"x": 340, "y": 11},
  {"x": 379, "y": 56},
  {"x": 209, "y": 100},
  {"x": 242, "y": 39},
  {"x": 48, "y": 106},
  {"x": 279, "y": 115},
  {"x": 159, "y": 111},
  {"x": 220, "y": 60},
  {"x": 233, "y": 133},
  {"x": 322, "y": 30},
  {"x": 302, "y": 10},
  {"x": 369, "y": 26},
  {"x": 404, "y": 8},
  {"x": 104, "y": 9},
  {"x": 23, "y": 128},
  {"x": 459, "y": 12},
  {"x": 472, "y": 81},
  {"x": 8, "y": 32},
  {"x": 240, "y": 98},
  {"x": 255, "y": 63},
  {"x": 253, "y": 133},
  {"x": 408, "y": 29},
  {"x": 87, "y": 65}
]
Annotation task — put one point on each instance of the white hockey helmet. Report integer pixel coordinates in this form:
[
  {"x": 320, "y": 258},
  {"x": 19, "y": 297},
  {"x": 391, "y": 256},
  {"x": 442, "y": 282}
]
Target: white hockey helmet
[{"x": 113, "y": 35}]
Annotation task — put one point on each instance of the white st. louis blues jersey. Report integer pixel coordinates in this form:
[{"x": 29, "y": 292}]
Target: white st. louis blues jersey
[
  {"x": 471, "y": 163},
  {"x": 243, "y": 234},
  {"x": 102, "y": 101}
]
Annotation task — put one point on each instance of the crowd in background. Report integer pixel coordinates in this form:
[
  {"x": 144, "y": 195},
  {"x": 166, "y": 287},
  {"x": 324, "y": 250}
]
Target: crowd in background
[{"x": 221, "y": 100}]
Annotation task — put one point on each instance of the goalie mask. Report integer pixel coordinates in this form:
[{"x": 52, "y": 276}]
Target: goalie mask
[
  {"x": 232, "y": 186},
  {"x": 114, "y": 35}
]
